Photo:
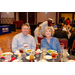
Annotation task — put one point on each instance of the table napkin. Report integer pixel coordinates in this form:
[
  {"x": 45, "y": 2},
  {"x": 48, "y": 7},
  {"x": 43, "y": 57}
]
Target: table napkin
[{"x": 12, "y": 58}]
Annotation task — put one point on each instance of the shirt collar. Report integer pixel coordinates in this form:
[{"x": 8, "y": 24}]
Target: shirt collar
[
  {"x": 23, "y": 35},
  {"x": 51, "y": 38}
]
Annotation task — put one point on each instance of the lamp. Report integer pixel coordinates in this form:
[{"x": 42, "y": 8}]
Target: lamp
[
  {"x": 7, "y": 12},
  {"x": 46, "y": 12}
]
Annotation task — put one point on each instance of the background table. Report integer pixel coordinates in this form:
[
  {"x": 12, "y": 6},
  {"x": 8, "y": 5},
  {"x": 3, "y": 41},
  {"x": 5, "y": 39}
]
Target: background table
[{"x": 5, "y": 29}]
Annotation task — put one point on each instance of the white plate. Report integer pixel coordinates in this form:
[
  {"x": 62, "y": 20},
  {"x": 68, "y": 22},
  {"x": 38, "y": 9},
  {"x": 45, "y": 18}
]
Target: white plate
[
  {"x": 52, "y": 50},
  {"x": 28, "y": 57},
  {"x": 17, "y": 60},
  {"x": 29, "y": 51},
  {"x": 38, "y": 50},
  {"x": 6, "y": 53},
  {"x": 48, "y": 57},
  {"x": 71, "y": 60},
  {"x": 42, "y": 61}
]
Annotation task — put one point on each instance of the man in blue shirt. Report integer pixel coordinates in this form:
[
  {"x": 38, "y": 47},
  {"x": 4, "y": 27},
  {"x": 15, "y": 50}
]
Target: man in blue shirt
[{"x": 23, "y": 40}]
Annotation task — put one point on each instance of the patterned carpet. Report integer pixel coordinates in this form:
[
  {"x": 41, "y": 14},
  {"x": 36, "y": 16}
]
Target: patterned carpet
[{"x": 6, "y": 39}]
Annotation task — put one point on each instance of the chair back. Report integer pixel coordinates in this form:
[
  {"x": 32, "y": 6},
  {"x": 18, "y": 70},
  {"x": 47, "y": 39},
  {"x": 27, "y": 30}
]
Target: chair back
[
  {"x": 64, "y": 41},
  {"x": 39, "y": 39},
  {"x": 11, "y": 46},
  {"x": 73, "y": 46}
]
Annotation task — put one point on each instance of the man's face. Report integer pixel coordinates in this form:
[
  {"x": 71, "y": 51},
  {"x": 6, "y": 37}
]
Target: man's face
[{"x": 25, "y": 30}]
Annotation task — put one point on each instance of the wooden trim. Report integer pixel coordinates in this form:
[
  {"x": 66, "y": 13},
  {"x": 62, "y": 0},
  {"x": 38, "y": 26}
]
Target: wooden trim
[
  {"x": 35, "y": 18},
  {"x": 56, "y": 17},
  {"x": 14, "y": 15},
  {"x": 0, "y": 17}
]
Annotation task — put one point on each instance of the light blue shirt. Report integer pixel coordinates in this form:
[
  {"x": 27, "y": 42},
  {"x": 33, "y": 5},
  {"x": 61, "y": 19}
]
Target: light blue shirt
[
  {"x": 19, "y": 40},
  {"x": 54, "y": 44}
]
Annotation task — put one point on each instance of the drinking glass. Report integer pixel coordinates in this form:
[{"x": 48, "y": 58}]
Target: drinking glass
[
  {"x": 37, "y": 54},
  {"x": 53, "y": 54},
  {"x": 21, "y": 50},
  {"x": 44, "y": 51},
  {"x": 38, "y": 46},
  {"x": 31, "y": 54},
  {"x": 62, "y": 47},
  {"x": 20, "y": 54},
  {"x": 43, "y": 54},
  {"x": 9, "y": 57}
]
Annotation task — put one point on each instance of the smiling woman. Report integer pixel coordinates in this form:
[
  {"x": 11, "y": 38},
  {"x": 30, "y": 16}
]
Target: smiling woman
[{"x": 50, "y": 42}]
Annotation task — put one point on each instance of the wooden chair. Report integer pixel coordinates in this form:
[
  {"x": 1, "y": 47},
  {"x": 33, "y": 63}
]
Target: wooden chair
[
  {"x": 39, "y": 39},
  {"x": 73, "y": 46},
  {"x": 64, "y": 41},
  {"x": 39, "y": 42},
  {"x": 11, "y": 47}
]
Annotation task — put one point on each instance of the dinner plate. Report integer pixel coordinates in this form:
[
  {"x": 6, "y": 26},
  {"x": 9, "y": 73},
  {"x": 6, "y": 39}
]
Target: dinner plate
[
  {"x": 38, "y": 50},
  {"x": 48, "y": 57},
  {"x": 51, "y": 52},
  {"x": 42, "y": 60},
  {"x": 7, "y": 53},
  {"x": 71, "y": 60},
  {"x": 28, "y": 57},
  {"x": 17, "y": 60},
  {"x": 28, "y": 50}
]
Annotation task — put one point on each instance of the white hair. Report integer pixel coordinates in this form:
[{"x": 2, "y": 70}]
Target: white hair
[
  {"x": 48, "y": 28},
  {"x": 50, "y": 19}
]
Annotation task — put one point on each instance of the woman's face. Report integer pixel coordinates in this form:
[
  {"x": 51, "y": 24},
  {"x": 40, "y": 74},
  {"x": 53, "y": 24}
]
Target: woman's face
[{"x": 48, "y": 33}]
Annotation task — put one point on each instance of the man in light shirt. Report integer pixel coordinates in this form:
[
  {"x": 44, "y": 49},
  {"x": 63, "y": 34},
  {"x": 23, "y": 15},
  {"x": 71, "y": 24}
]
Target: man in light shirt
[{"x": 23, "y": 40}]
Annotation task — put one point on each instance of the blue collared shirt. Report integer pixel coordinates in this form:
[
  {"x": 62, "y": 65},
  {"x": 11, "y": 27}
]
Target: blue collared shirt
[
  {"x": 54, "y": 44},
  {"x": 19, "y": 40}
]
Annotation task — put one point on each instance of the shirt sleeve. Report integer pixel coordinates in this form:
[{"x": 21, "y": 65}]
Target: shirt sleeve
[
  {"x": 58, "y": 46},
  {"x": 42, "y": 44},
  {"x": 43, "y": 25},
  {"x": 33, "y": 45},
  {"x": 14, "y": 45}
]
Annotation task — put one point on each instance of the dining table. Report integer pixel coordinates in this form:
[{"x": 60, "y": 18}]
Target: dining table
[{"x": 37, "y": 59}]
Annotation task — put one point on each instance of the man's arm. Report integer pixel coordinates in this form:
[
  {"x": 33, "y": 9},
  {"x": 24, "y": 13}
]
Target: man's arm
[
  {"x": 14, "y": 45},
  {"x": 39, "y": 30},
  {"x": 33, "y": 46}
]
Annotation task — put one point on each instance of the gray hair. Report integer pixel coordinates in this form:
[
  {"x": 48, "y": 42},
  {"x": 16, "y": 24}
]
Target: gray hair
[
  {"x": 26, "y": 24},
  {"x": 48, "y": 28}
]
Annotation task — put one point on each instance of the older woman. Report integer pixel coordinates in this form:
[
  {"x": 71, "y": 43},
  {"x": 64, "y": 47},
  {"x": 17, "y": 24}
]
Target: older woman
[{"x": 50, "y": 42}]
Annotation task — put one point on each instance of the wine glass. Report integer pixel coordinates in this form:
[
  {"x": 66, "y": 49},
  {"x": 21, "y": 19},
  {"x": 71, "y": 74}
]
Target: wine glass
[
  {"x": 44, "y": 53},
  {"x": 62, "y": 47},
  {"x": 20, "y": 54},
  {"x": 53, "y": 54}
]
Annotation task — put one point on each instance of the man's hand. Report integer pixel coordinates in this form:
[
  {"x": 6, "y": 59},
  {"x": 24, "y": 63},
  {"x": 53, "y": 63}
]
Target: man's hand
[{"x": 38, "y": 33}]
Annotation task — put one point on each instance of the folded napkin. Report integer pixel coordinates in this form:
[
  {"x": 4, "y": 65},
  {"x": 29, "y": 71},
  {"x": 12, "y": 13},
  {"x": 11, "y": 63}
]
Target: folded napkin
[
  {"x": 3, "y": 57},
  {"x": 12, "y": 58}
]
